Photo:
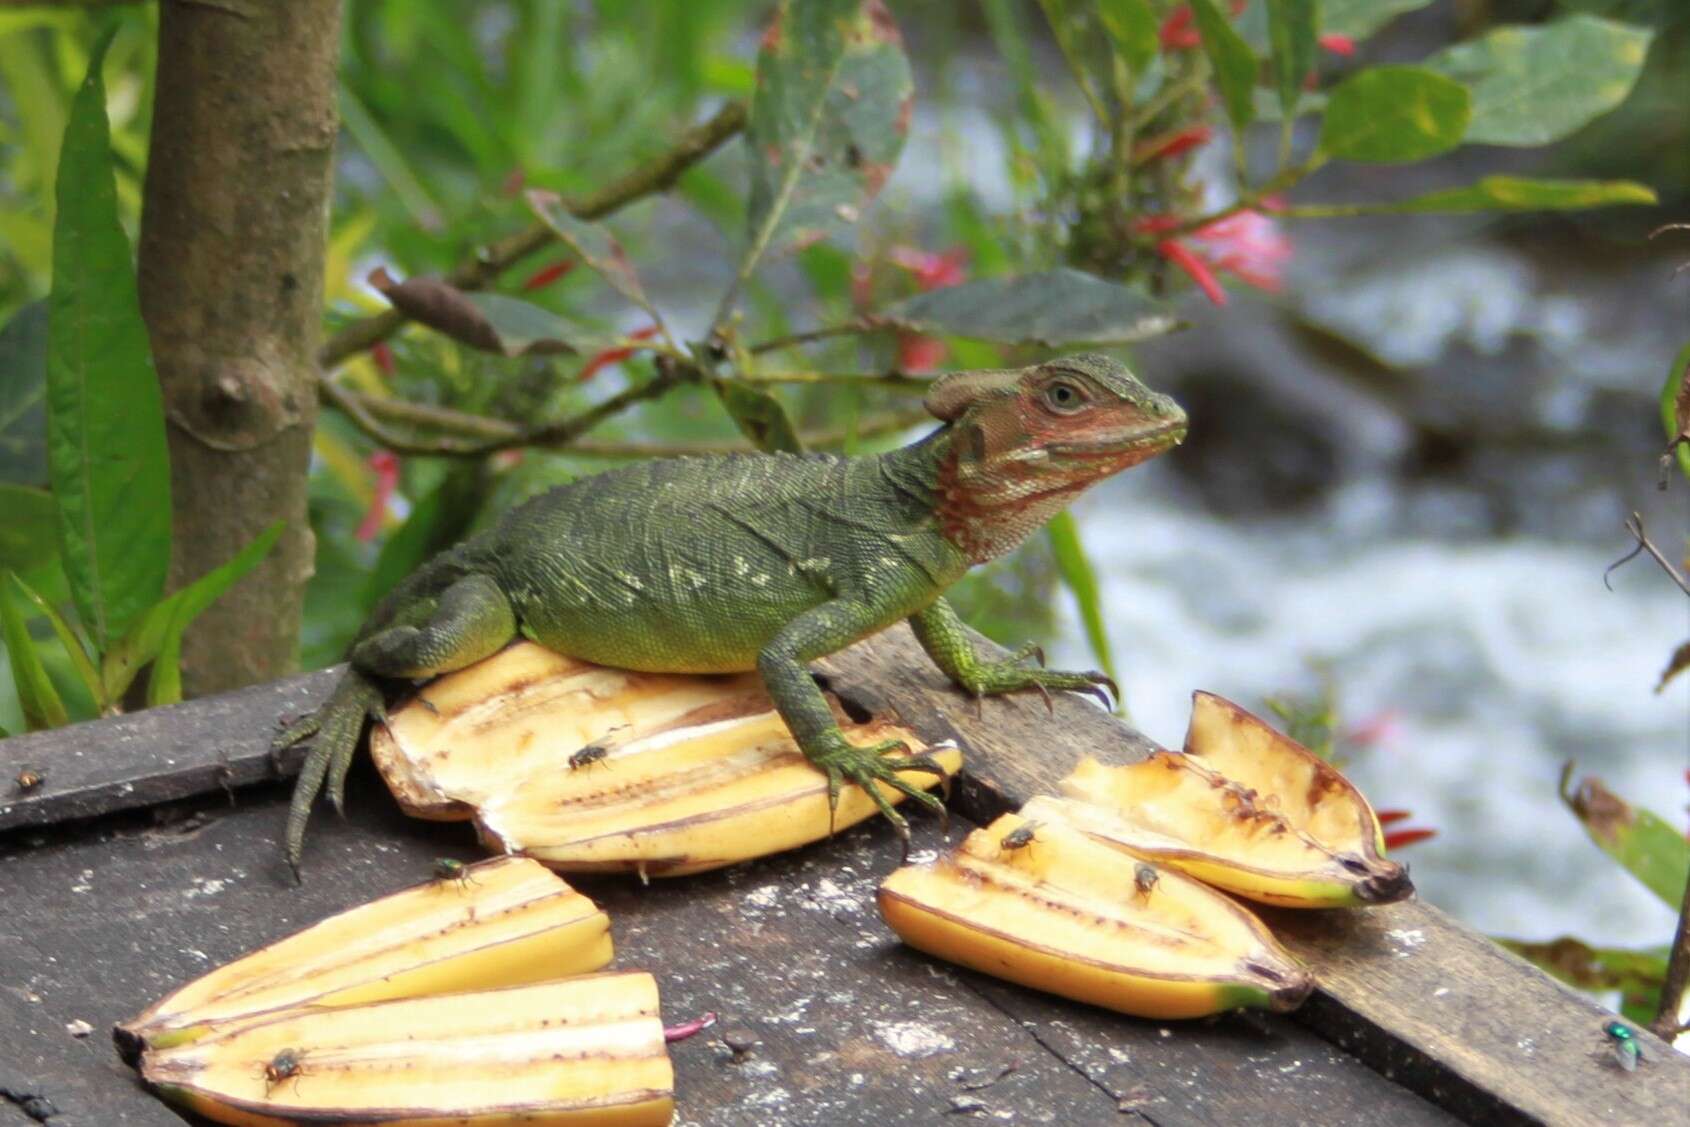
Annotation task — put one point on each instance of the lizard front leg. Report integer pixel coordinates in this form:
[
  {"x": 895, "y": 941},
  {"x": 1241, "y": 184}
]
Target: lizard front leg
[
  {"x": 815, "y": 633},
  {"x": 469, "y": 620},
  {"x": 942, "y": 635}
]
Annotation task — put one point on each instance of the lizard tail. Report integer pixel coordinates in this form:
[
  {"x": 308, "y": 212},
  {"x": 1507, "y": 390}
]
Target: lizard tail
[{"x": 338, "y": 726}]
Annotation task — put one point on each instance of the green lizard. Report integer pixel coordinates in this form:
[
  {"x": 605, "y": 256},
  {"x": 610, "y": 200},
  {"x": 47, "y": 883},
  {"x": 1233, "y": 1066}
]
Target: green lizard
[{"x": 726, "y": 564}]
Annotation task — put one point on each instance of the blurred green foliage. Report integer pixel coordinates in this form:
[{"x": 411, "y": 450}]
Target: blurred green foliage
[{"x": 451, "y": 110}]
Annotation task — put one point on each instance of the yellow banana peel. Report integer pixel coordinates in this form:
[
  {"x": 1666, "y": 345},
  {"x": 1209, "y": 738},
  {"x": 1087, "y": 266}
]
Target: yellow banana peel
[
  {"x": 1311, "y": 793},
  {"x": 1042, "y": 904},
  {"x": 583, "y": 1052},
  {"x": 590, "y": 769},
  {"x": 501, "y": 922},
  {"x": 1245, "y": 809},
  {"x": 1176, "y": 812}
]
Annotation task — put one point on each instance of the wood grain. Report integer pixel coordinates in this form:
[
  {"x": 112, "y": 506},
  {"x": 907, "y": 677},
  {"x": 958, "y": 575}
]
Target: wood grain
[{"x": 1412, "y": 993}]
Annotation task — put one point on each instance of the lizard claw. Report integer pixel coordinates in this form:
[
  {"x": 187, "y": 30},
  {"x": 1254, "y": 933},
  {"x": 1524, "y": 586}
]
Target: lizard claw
[
  {"x": 338, "y": 726},
  {"x": 1098, "y": 681},
  {"x": 874, "y": 767}
]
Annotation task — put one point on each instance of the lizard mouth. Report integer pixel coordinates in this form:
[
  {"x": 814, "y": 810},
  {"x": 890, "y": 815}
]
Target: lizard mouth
[{"x": 1148, "y": 442}]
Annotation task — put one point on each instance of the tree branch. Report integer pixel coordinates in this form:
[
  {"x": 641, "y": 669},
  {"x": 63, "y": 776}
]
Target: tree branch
[
  {"x": 896, "y": 381},
  {"x": 860, "y": 325},
  {"x": 489, "y": 435},
  {"x": 1666, "y": 1025},
  {"x": 660, "y": 174},
  {"x": 477, "y": 435}
]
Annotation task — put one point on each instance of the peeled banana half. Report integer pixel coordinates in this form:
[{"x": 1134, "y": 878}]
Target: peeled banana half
[
  {"x": 497, "y": 923},
  {"x": 1041, "y": 903},
  {"x": 583, "y": 1052},
  {"x": 591, "y": 769}
]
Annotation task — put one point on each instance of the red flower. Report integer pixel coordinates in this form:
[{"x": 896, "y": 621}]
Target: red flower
[
  {"x": 382, "y": 353},
  {"x": 1181, "y": 255},
  {"x": 1247, "y": 245},
  {"x": 1338, "y": 44},
  {"x": 614, "y": 355},
  {"x": 1396, "y": 839},
  {"x": 918, "y": 354},
  {"x": 932, "y": 271},
  {"x": 385, "y": 465},
  {"x": 1401, "y": 838},
  {"x": 1177, "y": 32},
  {"x": 1172, "y": 144},
  {"x": 546, "y": 275}
]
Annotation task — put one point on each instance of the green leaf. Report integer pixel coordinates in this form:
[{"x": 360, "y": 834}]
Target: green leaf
[
  {"x": 759, "y": 416},
  {"x": 1534, "y": 85},
  {"x": 160, "y": 629},
  {"x": 1645, "y": 843},
  {"x": 1233, "y": 62},
  {"x": 1132, "y": 28},
  {"x": 1518, "y": 193},
  {"x": 42, "y": 707},
  {"x": 1576, "y": 963},
  {"x": 109, "y": 464},
  {"x": 1675, "y": 409},
  {"x": 1269, "y": 109},
  {"x": 29, "y": 530},
  {"x": 75, "y": 649},
  {"x": 1291, "y": 31},
  {"x": 1394, "y": 114},
  {"x": 1051, "y": 308},
  {"x": 595, "y": 246},
  {"x": 23, "y": 396},
  {"x": 491, "y": 322},
  {"x": 1359, "y": 19},
  {"x": 827, "y": 122},
  {"x": 1080, "y": 578}
]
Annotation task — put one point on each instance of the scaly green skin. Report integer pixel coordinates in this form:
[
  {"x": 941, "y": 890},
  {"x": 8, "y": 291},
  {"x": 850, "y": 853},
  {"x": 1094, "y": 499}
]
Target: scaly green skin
[{"x": 766, "y": 562}]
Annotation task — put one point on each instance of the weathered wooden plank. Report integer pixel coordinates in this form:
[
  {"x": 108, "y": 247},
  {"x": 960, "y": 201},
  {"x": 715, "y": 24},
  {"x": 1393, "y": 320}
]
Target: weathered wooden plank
[
  {"x": 1439, "y": 1007},
  {"x": 851, "y": 1027},
  {"x": 153, "y": 756},
  {"x": 1457, "y": 1052}
]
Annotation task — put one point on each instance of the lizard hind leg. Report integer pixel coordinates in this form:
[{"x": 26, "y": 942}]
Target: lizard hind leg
[
  {"x": 337, "y": 727},
  {"x": 471, "y": 619}
]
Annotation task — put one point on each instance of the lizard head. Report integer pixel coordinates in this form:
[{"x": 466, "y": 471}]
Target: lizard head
[{"x": 1025, "y": 442}]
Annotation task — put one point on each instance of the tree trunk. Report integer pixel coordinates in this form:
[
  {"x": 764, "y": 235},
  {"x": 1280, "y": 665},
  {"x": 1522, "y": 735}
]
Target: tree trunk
[{"x": 233, "y": 230}]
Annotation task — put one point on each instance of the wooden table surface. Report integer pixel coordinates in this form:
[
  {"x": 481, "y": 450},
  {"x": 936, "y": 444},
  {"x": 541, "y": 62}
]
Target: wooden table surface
[{"x": 158, "y": 875}]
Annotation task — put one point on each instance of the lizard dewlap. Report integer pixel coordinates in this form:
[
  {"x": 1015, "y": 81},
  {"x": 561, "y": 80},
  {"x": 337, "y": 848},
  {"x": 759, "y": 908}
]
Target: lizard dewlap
[
  {"x": 591, "y": 769},
  {"x": 1062, "y": 913},
  {"x": 502, "y": 922},
  {"x": 578, "y": 1052}
]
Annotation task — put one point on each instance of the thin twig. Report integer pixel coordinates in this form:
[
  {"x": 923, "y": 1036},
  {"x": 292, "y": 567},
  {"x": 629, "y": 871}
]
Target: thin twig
[
  {"x": 1666, "y": 1024},
  {"x": 362, "y": 410},
  {"x": 658, "y": 175},
  {"x": 896, "y": 381},
  {"x": 861, "y": 325},
  {"x": 1634, "y": 525},
  {"x": 875, "y": 426}
]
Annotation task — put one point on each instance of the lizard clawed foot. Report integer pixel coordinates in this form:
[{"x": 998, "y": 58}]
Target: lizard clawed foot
[
  {"x": 868, "y": 765},
  {"x": 337, "y": 727},
  {"x": 1012, "y": 675}
]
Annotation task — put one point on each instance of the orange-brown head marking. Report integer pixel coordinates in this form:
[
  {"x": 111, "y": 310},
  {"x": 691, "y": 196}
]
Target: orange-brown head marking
[{"x": 1025, "y": 442}]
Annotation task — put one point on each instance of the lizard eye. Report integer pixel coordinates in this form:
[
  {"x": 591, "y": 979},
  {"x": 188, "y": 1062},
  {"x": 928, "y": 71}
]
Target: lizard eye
[{"x": 1064, "y": 398}]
